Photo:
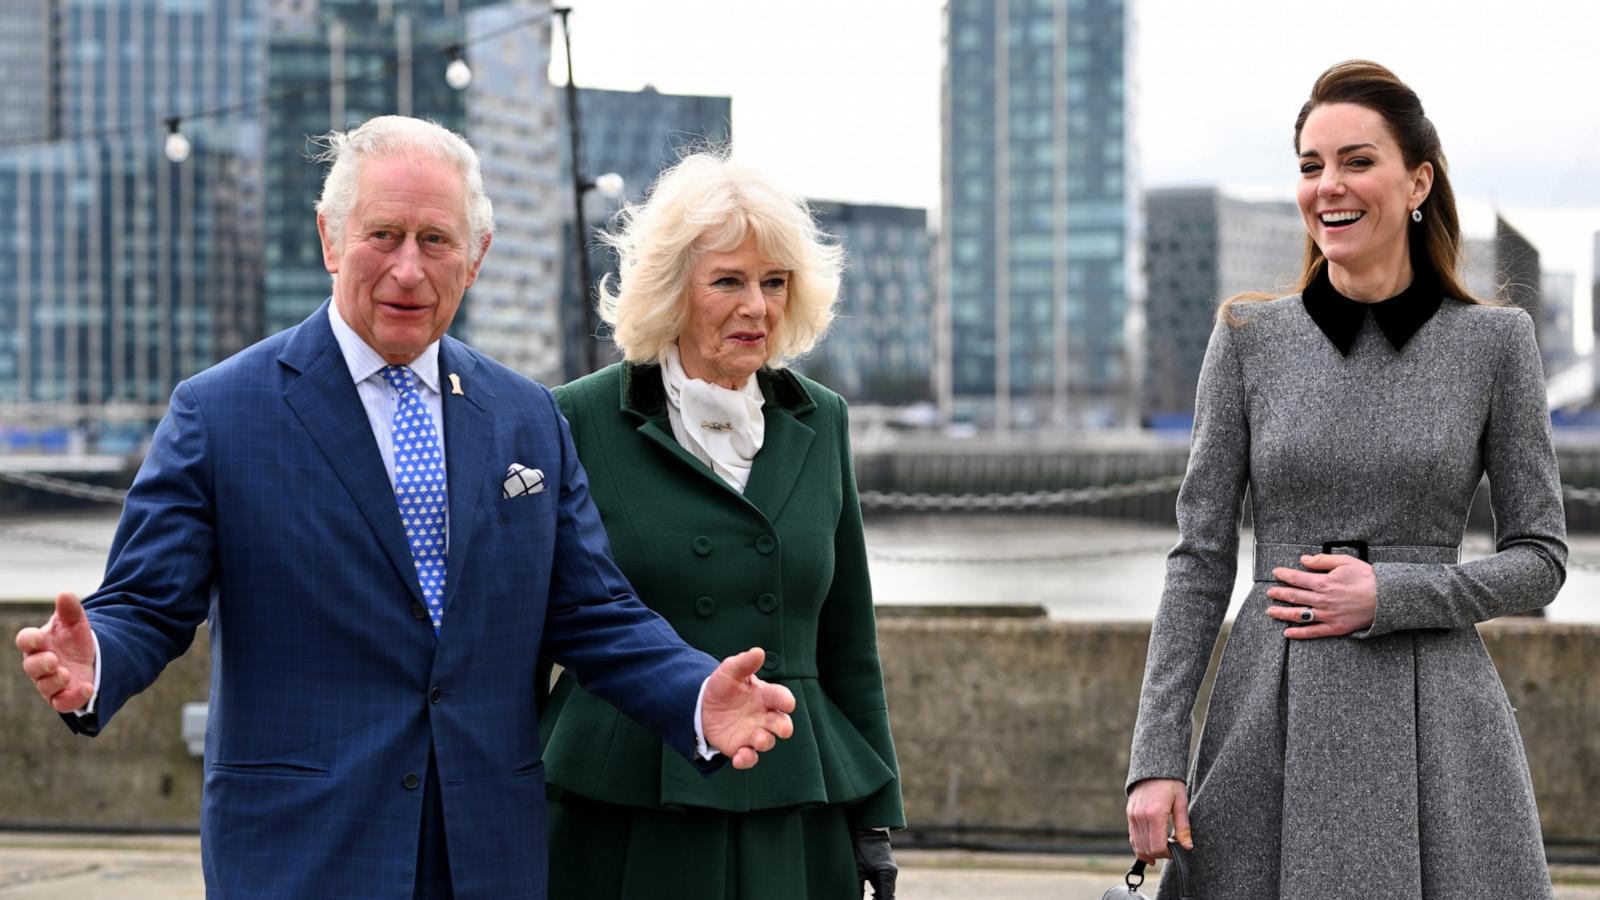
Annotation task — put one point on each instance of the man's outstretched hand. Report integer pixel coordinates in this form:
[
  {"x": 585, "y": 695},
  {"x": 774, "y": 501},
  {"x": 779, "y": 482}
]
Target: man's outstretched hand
[
  {"x": 60, "y": 656},
  {"x": 741, "y": 715}
]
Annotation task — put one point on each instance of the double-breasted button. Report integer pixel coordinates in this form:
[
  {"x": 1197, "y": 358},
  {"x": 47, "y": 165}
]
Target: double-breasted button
[
  {"x": 702, "y": 545},
  {"x": 417, "y": 611},
  {"x": 766, "y": 543},
  {"x": 435, "y": 695},
  {"x": 410, "y": 781},
  {"x": 766, "y": 603},
  {"x": 705, "y": 606},
  {"x": 774, "y": 663}
]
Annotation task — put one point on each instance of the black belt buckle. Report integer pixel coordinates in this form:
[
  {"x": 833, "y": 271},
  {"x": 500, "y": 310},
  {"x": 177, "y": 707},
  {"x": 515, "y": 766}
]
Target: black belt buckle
[{"x": 1358, "y": 549}]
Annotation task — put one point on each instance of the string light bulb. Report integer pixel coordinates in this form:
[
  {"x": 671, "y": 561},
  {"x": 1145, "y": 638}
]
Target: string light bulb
[
  {"x": 609, "y": 185},
  {"x": 177, "y": 146},
  {"x": 457, "y": 74}
]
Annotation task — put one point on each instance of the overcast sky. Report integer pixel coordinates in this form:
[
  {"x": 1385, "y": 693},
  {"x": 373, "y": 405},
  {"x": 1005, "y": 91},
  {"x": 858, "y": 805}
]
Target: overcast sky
[{"x": 840, "y": 98}]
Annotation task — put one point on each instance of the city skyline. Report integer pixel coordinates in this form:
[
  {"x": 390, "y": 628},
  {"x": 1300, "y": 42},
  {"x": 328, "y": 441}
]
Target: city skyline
[
  {"x": 1217, "y": 87},
  {"x": 1041, "y": 196}
]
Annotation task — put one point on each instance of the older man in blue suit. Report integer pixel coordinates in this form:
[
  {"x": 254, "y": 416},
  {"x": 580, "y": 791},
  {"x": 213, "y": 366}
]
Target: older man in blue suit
[{"x": 385, "y": 529}]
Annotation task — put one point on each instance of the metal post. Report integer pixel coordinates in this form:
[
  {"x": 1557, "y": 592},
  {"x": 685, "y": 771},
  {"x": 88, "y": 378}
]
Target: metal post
[{"x": 580, "y": 186}]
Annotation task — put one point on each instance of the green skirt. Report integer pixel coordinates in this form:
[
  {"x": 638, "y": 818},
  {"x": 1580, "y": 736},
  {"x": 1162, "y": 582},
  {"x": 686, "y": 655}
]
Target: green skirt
[{"x": 600, "y": 851}]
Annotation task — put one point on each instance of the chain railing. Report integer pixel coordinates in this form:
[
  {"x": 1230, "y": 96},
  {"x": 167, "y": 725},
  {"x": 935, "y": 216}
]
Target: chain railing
[
  {"x": 876, "y": 500},
  {"x": 23, "y": 535},
  {"x": 1018, "y": 559},
  {"x": 1031, "y": 500},
  {"x": 66, "y": 487},
  {"x": 1586, "y": 496},
  {"x": 873, "y": 500}
]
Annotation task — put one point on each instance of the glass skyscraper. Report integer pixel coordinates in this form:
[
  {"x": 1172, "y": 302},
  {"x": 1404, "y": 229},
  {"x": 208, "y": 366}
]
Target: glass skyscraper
[
  {"x": 880, "y": 346},
  {"x": 355, "y": 59},
  {"x": 124, "y": 272},
  {"x": 514, "y": 120},
  {"x": 635, "y": 134},
  {"x": 1039, "y": 268},
  {"x": 331, "y": 65},
  {"x": 1201, "y": 247}
]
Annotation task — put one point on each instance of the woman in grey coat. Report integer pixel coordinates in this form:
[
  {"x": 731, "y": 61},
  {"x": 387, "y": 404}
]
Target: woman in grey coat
[{"x": 1358, "y": 742}]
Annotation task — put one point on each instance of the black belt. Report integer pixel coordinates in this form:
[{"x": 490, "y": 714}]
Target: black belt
[{"x": 1271, "y": 556}]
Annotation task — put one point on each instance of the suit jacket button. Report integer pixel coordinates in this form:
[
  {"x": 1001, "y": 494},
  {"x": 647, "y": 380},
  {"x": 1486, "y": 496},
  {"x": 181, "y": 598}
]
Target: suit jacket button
[
  {"x": 435, "y": 694},
  {"x": 766, "y": 603},
  {"x": 417, "y": 612},
  {"x": 705, "y": 606},
  {"x": 774, "y": 663},
  {"x": 766, "y": 544},
  {"x": 702, "y": 545},
  {"x": 410, "y": 781}
]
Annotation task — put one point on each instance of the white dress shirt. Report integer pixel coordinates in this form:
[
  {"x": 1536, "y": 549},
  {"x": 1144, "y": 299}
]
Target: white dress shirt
[{"x": 378, "y": 398}]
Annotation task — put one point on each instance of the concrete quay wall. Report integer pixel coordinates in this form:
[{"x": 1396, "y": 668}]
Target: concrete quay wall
[{"x": 1003, "y": 725}]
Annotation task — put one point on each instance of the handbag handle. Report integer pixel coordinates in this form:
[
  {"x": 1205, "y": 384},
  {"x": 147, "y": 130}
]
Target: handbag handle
[
  {"x": 1135, "y": 876},
  {"x": 1180, "y": 864},
  {"x": 1181, "y": 861}
]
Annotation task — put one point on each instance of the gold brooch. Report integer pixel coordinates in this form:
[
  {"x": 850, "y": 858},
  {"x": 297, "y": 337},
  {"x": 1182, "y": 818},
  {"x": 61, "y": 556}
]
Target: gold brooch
[{"x": 716, "y": 426}]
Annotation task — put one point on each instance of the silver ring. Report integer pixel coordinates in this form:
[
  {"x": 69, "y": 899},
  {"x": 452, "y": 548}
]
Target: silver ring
[{"x": 1308, "y": 615}]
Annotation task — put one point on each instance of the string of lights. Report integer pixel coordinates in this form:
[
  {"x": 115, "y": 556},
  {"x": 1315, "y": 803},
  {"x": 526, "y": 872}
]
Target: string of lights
[{"x": 176, "y": 146}]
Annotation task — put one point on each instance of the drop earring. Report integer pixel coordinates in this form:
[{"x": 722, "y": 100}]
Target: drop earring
[{"x": 1416, "y": 214}]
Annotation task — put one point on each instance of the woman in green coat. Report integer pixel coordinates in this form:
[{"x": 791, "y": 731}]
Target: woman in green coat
[{"x": 725, "y": 483}]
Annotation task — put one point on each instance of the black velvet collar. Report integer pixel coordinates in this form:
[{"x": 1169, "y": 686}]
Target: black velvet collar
[
  {"x": 1398, "y": 317},
  {"x": 645, "y": 395}
]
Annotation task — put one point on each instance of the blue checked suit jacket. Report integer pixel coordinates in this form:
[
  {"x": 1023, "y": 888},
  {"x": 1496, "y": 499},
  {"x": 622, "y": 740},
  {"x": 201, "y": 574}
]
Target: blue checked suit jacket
[{"x": 264, "y": 506}]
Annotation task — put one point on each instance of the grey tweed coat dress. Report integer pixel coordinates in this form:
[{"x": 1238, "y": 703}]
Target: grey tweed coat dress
[{"x": 1386, "y": 763}]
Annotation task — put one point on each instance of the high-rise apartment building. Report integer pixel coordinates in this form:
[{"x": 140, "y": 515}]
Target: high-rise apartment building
[
  {"x": 635, "y": 134},
  {"x": 880, "y": 347},
  {"x": 1518, "y": 271},
  {"x": 27, "y": 95},
  {"x": 128, "y": 271},
  {"x": 332, "y": 64},
  {"x": 1039, "y": 253},
  {"x": 514, "y": 119},
  {"x": 1557, "y": 293},
  {"x": 1202, "y": 247}
]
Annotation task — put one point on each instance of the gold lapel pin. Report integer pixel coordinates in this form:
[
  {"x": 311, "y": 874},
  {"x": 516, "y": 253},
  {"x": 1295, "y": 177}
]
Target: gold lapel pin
[{"x": 455, "y": 385}]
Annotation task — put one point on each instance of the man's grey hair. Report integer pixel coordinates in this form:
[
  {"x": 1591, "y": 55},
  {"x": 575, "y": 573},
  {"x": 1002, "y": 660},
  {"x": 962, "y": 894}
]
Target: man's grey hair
[{"x": 402, "y": 136}]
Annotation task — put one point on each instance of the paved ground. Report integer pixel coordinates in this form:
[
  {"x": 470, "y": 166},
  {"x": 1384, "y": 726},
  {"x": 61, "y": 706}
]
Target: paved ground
[{"x": 93, "y": 867}]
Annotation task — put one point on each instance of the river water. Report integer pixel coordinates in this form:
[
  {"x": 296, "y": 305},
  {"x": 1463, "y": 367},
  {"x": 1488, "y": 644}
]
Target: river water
[
  {"x": 1091, "y": 569},
  {"x": 1075, "y": 568}
]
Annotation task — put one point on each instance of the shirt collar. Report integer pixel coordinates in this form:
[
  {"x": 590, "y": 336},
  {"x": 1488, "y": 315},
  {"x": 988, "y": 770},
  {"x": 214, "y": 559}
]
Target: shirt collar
[
  {"x": 365, "y": 362},
  {"x": 1398, "y": 317}
]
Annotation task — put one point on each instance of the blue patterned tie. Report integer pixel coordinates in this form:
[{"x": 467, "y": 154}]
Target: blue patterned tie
[{"x": 419, "y": 486}]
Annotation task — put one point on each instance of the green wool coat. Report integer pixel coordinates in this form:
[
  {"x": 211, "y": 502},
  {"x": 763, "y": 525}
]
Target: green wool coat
[{"x": 782, "y": 567}]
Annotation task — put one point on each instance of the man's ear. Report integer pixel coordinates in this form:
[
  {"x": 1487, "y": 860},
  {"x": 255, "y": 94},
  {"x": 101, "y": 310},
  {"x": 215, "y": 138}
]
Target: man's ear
[
  {"x": 330, "y": 253},
  {"x": 472, "y": 276}
]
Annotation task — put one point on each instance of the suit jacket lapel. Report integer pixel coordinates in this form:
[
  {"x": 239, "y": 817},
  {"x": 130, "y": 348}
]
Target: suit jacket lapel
[
  {"x": 468, "y": 442},
  {"x": 325, "y": 401}
]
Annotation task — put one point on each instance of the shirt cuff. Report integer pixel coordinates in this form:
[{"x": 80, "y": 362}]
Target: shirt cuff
[
  {"x": 88, "y": 708},
  {"x": 700, "y": 747}
]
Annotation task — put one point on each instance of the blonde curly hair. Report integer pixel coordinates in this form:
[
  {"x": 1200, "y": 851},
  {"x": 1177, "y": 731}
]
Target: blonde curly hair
[{"x": 707, "y": 203}]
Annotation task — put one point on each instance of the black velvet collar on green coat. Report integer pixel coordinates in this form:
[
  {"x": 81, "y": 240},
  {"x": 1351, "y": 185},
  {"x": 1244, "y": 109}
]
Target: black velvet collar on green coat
[
  {"x": 644, "y": 394},
  {"x": 1398, "y": 317}
]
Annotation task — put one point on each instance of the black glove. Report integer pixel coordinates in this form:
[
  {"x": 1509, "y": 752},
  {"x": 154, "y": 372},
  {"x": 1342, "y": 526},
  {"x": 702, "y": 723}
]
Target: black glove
[{"x": 874, "y": 863}]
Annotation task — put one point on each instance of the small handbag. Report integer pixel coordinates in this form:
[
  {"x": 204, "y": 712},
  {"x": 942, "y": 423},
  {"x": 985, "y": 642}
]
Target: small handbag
[{"x": 1129, "y": 889}]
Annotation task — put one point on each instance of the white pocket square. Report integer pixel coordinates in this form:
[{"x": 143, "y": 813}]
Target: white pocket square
[{"x": 521, "y": 480}]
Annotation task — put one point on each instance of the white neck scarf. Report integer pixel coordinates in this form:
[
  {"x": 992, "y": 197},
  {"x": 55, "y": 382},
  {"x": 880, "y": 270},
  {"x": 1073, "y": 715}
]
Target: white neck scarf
[{"x": 723, "y": 428}]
